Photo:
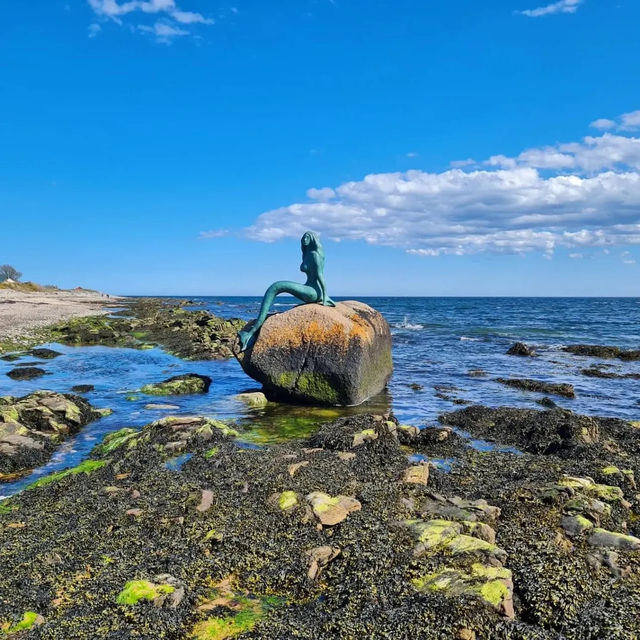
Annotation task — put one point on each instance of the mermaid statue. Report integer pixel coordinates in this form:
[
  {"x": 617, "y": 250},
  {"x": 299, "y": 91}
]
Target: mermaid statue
[{"x": 313, "y": 290}]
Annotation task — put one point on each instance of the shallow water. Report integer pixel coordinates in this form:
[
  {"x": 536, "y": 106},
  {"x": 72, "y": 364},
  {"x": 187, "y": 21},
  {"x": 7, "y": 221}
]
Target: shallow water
[{"x": 436, "y": 342}]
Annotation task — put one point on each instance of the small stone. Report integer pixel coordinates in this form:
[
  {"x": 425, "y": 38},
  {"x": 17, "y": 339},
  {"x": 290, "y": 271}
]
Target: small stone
[
  {"x": 319, "y": 558},
  {"x": 253, "y": 399},
  {"x": 345, "y": 456},
  {"x": 135, "y": 513},
  {"x": 206, "y": 501},
  {"x": 296, "y": 466},
  {"x": 331, "y": 511},
  {"x": 521, "y": 349},
  {"x": 417, "y": 474},
  {"x": 466, "y": 634},
  {"x": 159, "y": 407},
  {"x": 287, "y": 500}
]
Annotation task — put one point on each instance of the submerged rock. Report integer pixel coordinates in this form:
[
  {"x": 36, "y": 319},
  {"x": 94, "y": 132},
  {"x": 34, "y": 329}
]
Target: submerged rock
[
  {"x": 82, "y": 388},
  {"x": 43, "y": 353},
  {"x": 179, "y": 385},
  {"x": 521, "y": 349},
  {"x": 322, "y": 355},
  {"x": 26, "y": 373},
  {"x": 537, "y": 386}
]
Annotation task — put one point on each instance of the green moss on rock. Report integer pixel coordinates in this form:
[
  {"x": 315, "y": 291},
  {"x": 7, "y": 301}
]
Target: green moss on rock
[
  {"x": 88, "y": 466},
  {"x": 136, "y": 590}
]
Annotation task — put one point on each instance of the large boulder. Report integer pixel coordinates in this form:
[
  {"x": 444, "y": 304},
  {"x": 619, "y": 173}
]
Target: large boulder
[{"x": 321, "y": 355}]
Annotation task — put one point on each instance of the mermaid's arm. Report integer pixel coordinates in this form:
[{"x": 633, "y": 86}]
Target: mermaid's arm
[{"x": 320, "y": 276}]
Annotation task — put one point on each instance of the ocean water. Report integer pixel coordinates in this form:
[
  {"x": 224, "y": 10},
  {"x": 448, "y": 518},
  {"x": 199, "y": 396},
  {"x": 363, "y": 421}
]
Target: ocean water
[{"x": 436, "y": 343}]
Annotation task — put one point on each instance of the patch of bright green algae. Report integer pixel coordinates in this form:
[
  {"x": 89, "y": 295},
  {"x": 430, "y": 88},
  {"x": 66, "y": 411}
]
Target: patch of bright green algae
[
  {"x": 287, "y": 500},
  {"x": 210, "y": 453},
  {"x": 605, "y": 492},
  {"x": 113, "y": 441},
  {"x": 28, "y": 620},
  {"x": 136, "y": 590},
  {"x": 88, "y": 466}
]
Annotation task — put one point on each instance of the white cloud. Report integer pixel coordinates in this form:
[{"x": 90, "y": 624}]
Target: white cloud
[
  {"x": 412, "y": 154},
  {"x": 164, "y": 30},
  {"x": 573, "y": 195},
  {"x": 563, "y": 6},
  {"x": 214, "y": 233},
  {"x": 326, "y": 193},
  {"x": 603, "y": 123},
  {"x": 460, "y": 164},
  {"x": 630, "y": 121},
  {"x": 94, "y": 30},
  {"x": 576, "y": 256}
]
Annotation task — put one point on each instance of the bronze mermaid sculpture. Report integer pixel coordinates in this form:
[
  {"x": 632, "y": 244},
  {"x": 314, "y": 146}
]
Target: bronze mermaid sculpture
[{"x": 313, "y": 291}]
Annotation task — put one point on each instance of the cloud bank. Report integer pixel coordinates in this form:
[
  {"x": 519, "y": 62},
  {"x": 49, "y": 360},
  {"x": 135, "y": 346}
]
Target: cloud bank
[{"x": 575, "y": 195}]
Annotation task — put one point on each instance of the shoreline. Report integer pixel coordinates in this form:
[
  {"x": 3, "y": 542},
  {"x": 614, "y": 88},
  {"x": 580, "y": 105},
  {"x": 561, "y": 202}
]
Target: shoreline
[{"x": 23, "y": 314}]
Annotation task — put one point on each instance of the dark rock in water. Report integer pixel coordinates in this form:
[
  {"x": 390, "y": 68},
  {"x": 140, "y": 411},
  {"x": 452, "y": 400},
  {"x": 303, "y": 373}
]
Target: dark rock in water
[
  {"x": 26, "y": 373},
  {"x": 548, "y": 403},
  {"x": 322, "y": 355},
  {"x": 521, "y": 349},
  {"x": 414, "y": 386},
  {"x": 44, "y": 354},
  {"x": 537, "y": 386},
  {"x": 602, "y": 351},
  {"x": 82, "y": 388},
  {"x": 179, "y": 385},
  {"x": 32, "y": 426},
  {"x": 11, "y": 357},
  {"x": 596, "y": 372},
  {"x": 558, "y": 431}
]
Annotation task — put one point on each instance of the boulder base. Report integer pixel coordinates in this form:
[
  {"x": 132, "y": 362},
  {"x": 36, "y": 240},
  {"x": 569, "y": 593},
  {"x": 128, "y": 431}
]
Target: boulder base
[{"x": 321, "y": 355}]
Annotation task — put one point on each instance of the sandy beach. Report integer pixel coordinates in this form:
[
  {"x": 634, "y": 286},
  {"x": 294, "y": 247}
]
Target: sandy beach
[{"x": 23, "y": 312}]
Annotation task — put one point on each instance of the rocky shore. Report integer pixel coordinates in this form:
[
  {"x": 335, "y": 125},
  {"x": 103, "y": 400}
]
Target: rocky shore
[{"x": 368, "y": 528}]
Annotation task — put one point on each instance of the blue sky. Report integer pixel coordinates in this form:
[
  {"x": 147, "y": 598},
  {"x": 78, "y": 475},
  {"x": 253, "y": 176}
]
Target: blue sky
[{"x": 181, "y": 146}]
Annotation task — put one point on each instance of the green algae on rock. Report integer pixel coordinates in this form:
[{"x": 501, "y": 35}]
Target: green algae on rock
[
  {"x": 179, "y": 385},
  {"x": 86, "y": 467},
  {"x": 136, "y": 590},
  {"x": 31, "y": 427},
  {"x": 29, "y": 620}
]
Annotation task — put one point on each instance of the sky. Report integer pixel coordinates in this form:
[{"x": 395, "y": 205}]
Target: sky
[{"x": 438, "y": 148}]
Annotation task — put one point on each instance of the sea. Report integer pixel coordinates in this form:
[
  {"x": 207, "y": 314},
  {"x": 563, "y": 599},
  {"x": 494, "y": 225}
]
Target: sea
[{"x": 446, "y": 351}]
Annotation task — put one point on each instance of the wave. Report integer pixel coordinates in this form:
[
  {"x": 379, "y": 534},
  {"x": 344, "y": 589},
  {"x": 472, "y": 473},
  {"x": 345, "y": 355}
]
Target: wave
[
  {"x": 405, "y": 324},
  {"x": 467, "y": 338}
]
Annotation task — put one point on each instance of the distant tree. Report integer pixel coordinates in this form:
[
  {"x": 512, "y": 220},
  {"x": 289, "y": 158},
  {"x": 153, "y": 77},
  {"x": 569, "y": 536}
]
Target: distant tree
[{"x": 7, "y": 271}]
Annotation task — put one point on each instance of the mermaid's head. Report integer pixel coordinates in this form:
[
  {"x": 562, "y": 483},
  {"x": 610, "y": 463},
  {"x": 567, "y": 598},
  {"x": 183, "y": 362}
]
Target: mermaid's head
[{"x": 310, "y": 242}]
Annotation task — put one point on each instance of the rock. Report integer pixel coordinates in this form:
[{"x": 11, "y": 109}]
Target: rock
[
  {"x": 576, "y": 525},
  {"x": 322, "y": 355},
  {"x": 415, "y": 387},
  {"x": 459, "y": 509},
  {"x": 547, "y": 403},
  {"x": 345, "y": 456},
  {"x": 206, "y": 501},
  {"x": 604, "y": 538},
  {"x": 287, "y": 500},
  {"x": 161, "y": 407},
  {"x": 44, "y": 354},
  {"x": 537, "y": 386},
  {"x": 165, "y": 590},
  {"x": 319, "y": 558},
  {"x": 605, "y": 492},
  {"x": 82, "y": 388},
  {"x": 331, "y": 511},
  {"x": 466, "y": 634},
  {"x": 179, "y": 385},
  {"x": 26, "y": 373},
  {"x": 521, "y": 349},
  {"x": 477, "y": 373},
  {"x": 296, "y": 466},
  {"x": 416, "y": 474},
  {"x": 253, "y": 399},
  {"x": 32, "y": 426},
  {"x": 602, "y": 351},
  {"x": 492, "y": 585}
]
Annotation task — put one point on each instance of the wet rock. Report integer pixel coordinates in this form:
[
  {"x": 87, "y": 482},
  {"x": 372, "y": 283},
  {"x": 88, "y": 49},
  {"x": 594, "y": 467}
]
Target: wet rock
[
  {"x": 415, "y": 387},
  {"x": 26, "y": 373},
  {"x": 323, "y": 355},
  {"x": 296, "y": 466},
  {"x": 319, "y": 558},
  {"x": 161, "y": 407},
  {"x": 477, "y": 373},
  {"x": 331, "y": 511},
  {"x": 547, "y": 403},
  {"x": 459, "y": 509},
  {"x": 596, "y": 372},
  {"x": 253, "y": 399},
  {"x": 558, "y": 431},
  {"x": 179, "y": 385},
  {"x": 602, "y": 351},
  {"x": 43, "y": 353},
  {"x": 521, "y": 349},
  {"x": 608, "y": 559},
  {"x": 604, "y": 538},
  {"x": 32, "y": 426},
  {"x": 82, "y": 388},
  {"x": 537, "y": 386}
]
